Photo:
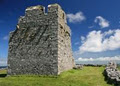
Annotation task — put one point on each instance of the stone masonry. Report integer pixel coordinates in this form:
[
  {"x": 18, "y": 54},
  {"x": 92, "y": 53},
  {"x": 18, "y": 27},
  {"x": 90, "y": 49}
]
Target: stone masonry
[{"x": 41, "y": 43}]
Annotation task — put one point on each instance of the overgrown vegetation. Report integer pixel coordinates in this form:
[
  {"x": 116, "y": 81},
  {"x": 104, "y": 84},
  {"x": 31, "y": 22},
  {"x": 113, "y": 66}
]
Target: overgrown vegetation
[{"x": 89, "y": 76}]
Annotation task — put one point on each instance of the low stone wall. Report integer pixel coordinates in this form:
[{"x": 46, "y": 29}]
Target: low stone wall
[{"x": 112, "y": 74}]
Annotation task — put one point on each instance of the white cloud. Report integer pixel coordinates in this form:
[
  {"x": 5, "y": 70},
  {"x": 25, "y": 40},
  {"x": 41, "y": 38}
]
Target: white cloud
[
  {"x": 77, "y": 43},
  {"x": 3, "y": 61},
  {"x": 92, "y": 42},
  {"x": 96, "y": 41},
  {"x": 110, "y": 32},
  {"x": 115, "y": 58},
  {"x": 91, "y": 26},
  {"x": 102, "y": 22},
  {"x": 82, "y": 39},
  {"x": 78, "y": 17},
  {"x": 6, "y": 37}
]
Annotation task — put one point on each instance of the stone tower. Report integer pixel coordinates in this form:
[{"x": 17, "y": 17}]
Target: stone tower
[{"x": 41, "y": 43}]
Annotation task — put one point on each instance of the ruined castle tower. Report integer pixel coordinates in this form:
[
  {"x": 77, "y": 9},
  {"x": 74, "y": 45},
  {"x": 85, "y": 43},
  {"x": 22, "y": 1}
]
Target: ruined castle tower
[{"x": 41, "y": 43}]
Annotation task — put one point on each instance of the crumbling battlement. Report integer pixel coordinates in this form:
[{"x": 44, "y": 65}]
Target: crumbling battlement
[
  {"x": 38, "y": 13},
  {"x": 41, "y": 43}
]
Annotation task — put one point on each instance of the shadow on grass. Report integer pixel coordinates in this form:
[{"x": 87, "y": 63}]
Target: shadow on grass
[{"x": 3, "y": 75}]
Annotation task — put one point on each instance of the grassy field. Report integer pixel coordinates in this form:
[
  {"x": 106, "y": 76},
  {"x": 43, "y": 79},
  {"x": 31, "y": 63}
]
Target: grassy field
[
  {"x": 119, "y": 66},
  {"x": 89, "y": 76}
]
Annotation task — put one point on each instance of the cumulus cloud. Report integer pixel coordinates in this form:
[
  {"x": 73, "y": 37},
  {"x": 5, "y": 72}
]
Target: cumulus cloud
[
  {"x": 102, "y": 22},
  {"x": 96, "y": 41},
  {"x": 78, "y": 17},
  {"x": 110, "y": 32},
  {"x": 3, "y": 61},
  {"x": 6, "y": 37},
  {"x": 115, "y": 58}
]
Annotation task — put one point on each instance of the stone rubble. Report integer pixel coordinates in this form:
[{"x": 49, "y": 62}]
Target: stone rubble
[
  {"x": 112, "y": 74},
  {"x": 78, "y": 66}
]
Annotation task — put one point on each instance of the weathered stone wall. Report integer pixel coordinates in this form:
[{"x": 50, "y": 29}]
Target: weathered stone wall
[
  {"x": 41, "y": 43},
  {"x": 65, "y": 58}
]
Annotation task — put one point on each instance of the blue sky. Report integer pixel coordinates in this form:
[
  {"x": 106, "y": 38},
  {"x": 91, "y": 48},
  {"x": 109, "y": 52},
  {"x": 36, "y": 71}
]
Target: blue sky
[{"x": 94, "y": 23}]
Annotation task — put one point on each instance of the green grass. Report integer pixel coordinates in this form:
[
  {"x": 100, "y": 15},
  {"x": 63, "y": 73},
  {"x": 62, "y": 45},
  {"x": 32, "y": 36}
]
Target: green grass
[
  {"x": 118, "y": 67},
  {"x": 89, "y": 76},
  {"x": 3, "y": 71}
]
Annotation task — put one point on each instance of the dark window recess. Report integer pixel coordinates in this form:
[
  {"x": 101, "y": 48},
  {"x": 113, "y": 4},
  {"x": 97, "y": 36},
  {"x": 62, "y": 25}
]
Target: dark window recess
[
  {"x": 61, "y": 26},
  {"x": 63, "y": 16},
  {"x": 42, "y": 9}
]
